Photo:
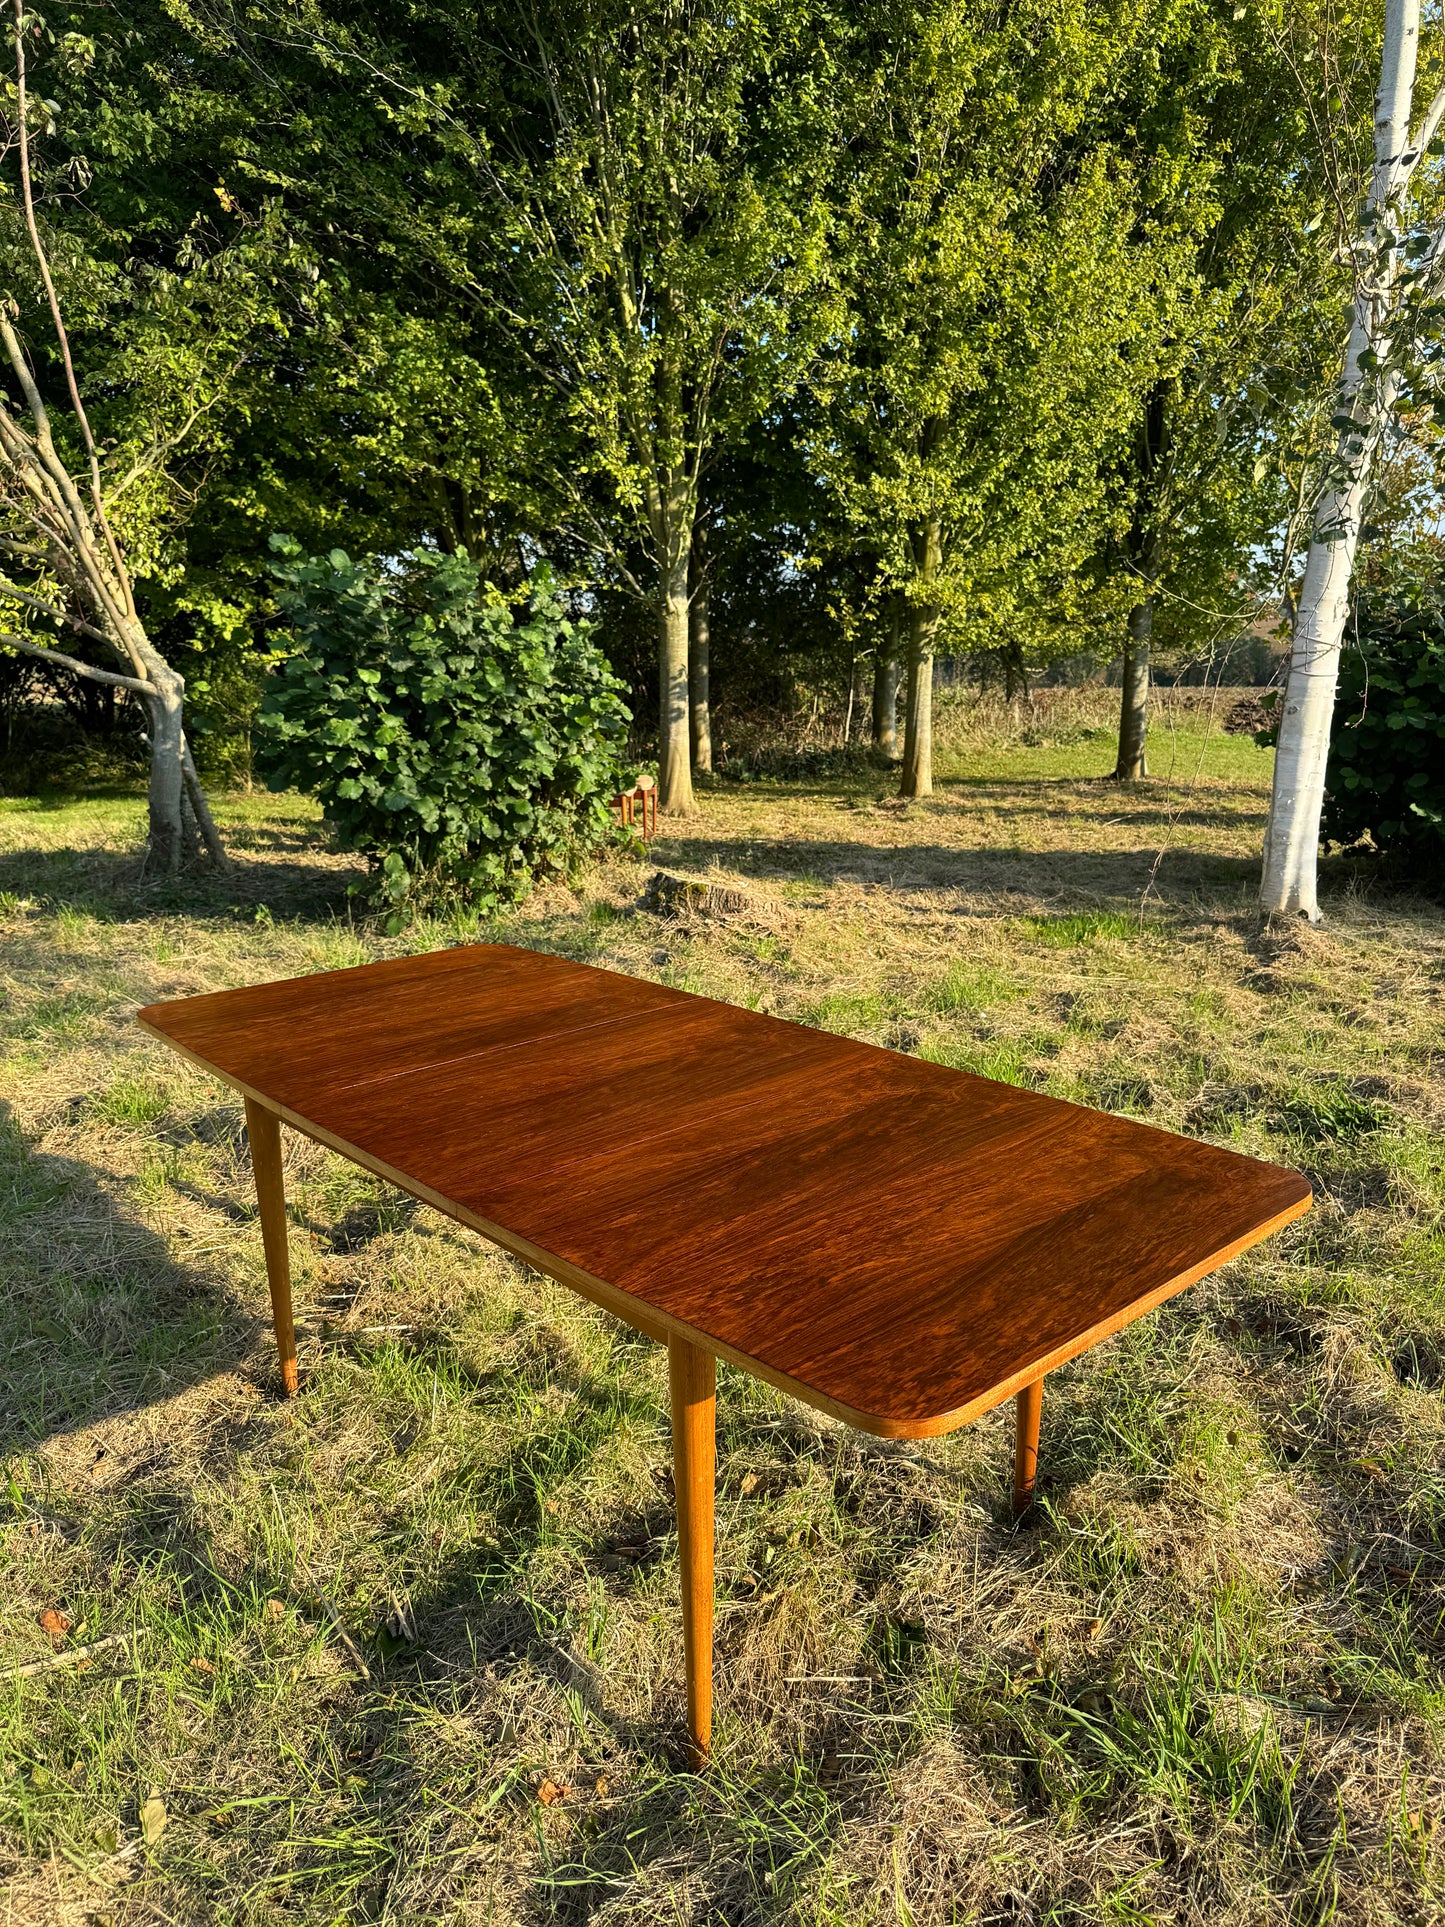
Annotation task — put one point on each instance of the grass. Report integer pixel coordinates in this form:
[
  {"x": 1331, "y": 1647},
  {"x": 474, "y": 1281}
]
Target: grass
[{"x": 1201, "y": 1684}]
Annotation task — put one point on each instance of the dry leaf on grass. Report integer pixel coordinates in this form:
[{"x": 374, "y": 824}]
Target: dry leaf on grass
[
  {"x": 549, "y": 1793},
  {"x": 201, "y": 1664},
  {"x": 57, "y": 1624},
  {"x": 153, "y": 1817}
]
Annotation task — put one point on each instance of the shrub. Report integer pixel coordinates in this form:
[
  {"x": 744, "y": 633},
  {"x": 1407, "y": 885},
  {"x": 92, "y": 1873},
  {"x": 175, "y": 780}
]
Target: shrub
[
  {"x": 1386, "y": 774},
  {"x": 461, "y": 749}
]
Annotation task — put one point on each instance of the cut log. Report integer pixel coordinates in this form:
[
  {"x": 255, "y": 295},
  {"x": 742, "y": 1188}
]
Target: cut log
[{"x": 668, "y": 895}]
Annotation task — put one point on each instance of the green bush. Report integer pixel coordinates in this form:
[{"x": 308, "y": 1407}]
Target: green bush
[
  {"x": 461, "y": 749},
  {"x": 1386, "y": 774}
]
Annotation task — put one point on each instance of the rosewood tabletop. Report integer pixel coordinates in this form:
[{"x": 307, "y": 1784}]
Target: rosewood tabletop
[{"x": 901, "y": 1244}]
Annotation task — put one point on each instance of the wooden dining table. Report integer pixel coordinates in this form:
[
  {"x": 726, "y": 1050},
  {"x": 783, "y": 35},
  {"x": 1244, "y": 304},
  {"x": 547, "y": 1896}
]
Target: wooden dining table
[{"x": 901, "y": 1245}]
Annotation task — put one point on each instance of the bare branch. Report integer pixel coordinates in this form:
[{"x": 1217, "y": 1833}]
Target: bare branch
[
  {"x": 201, "y": 809},
  {"x": 74, "y": 1656},
  {"x": 42, "y": 455},
  {"x": 28, "y": 198},
  {"x": 29, "y": 648},
  {"x": 159, "y": 449},
  {"x": 1429, "y": 128},
  {"x": 44, "y": 608}
]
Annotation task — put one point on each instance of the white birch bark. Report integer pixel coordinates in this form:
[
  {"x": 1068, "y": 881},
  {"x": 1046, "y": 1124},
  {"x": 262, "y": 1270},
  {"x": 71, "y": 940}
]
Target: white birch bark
[{"x": 1292, "y": 836}]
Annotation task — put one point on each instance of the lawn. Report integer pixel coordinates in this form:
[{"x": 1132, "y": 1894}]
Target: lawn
[{"x": 1201, "y": 1682}]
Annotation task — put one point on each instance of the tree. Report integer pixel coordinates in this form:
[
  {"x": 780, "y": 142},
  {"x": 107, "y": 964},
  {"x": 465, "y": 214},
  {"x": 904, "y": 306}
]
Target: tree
[
  {"x": 1397, "y": 264},
  {"x": 59, "y": 534},
  {"x": 1230, "y": 165},
  {"x": 256, "y": 233},
  {"x": 1386, "y": 776},
  {"x": 1005, "y": 282},
  {"x": 661, "y": 177},
  {"x": 633, "y": 200}
]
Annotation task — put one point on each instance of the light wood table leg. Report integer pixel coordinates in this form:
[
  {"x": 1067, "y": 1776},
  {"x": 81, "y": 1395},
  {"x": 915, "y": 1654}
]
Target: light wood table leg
[
  {"x": 1028, "y": 1405},
  {"x": 693, "y": 1377},
  {"x": 263, "y": 1128}
]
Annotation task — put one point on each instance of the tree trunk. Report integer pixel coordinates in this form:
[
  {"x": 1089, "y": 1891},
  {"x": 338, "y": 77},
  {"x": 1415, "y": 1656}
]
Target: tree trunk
[
  {"x": 1134, "y": 702},
  {"x": 1289, "y": 880},
  {"x": 201, "y": 809},
  {"x": 917, "y": 773},
  {"x": 698, "y": 664},
  {"x": 916, "y": 778},
  {"x": 1015, "y": 675},
  {"x": 885, "y": 707},
  {"x": 674, "y": 750},
  {"x": 167, "y": 840},
  {"x": 885, "y": 692}
]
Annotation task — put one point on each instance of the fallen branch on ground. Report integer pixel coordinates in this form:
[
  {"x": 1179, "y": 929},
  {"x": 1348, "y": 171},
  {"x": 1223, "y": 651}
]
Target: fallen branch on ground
[
  {"x": 338, "y": 1623},
  {"x": 30, "y": 1667}
]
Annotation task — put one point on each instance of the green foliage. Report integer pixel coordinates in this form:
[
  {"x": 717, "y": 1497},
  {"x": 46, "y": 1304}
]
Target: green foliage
[
  {"x": 885, "y": 293},
  {"x": 1386, "y": 775},
  {"x": 461, "y": 750}
]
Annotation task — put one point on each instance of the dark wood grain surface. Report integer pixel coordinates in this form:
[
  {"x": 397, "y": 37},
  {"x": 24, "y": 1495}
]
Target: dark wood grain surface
[{"x": 902, "y": 1244}]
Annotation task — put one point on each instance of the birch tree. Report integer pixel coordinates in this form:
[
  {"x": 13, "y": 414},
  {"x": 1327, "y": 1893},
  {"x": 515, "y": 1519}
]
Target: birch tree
[
  {"x": 63, "y": 569},
  {"x": 1397, "y": 260}
]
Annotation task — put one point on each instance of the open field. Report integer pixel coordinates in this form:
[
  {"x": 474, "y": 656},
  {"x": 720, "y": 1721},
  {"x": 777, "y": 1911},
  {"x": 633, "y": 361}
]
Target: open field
[{"x": 1201, "y": 1683}]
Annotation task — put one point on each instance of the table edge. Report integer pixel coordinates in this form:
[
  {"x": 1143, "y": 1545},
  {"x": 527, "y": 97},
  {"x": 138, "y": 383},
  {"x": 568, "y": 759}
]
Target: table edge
[{"x": 660, "y": 1326}]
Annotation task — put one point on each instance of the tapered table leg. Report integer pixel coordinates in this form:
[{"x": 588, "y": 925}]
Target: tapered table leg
[
  {"x": 263, "y": 1128},
  {"x": 693, "y": 1377},
  {"x": 1028, "y": 1405}
]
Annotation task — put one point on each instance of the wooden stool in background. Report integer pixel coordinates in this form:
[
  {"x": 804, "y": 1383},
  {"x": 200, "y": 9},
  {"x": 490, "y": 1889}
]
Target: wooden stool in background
[{"x": 645, "y": 793}]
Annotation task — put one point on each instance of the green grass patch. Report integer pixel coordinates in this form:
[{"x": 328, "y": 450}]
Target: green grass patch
[
  {"x": 849, "y": 1014},
  {"x": 64, "y": 1017},
  {"x": 133, "y": 1102},
  {"x": 1072, "y": 928},
  {"x": 970, "y": 986},
  {"x": 1005, "y": 1062},
  {"x": 1327, "y": 1108}
]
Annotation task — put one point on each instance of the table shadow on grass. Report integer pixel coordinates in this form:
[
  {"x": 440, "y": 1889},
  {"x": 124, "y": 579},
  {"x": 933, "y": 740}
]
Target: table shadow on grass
[
  {"x": 96, "y": 1315},
  {"x": 481, "y": 1638},
  {"x": 486, "y": 1636}
]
